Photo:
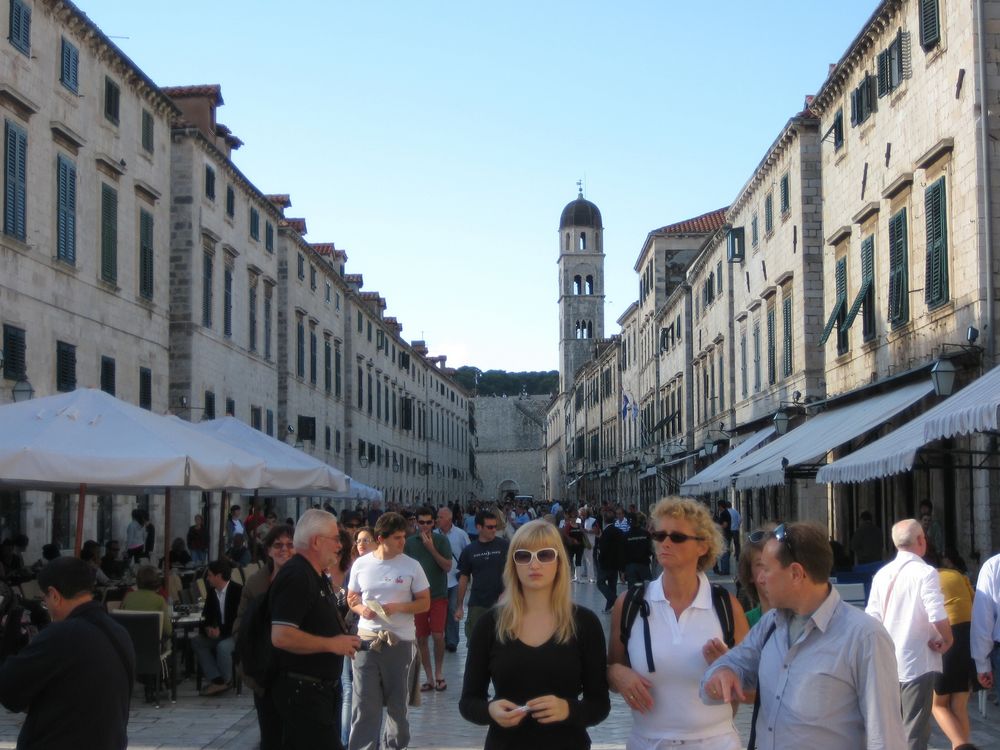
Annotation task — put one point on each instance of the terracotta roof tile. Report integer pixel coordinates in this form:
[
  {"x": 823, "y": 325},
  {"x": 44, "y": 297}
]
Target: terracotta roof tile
[
  {"x": 299, "y": 225},
  {"x": 323, "y": 248},
  {"x": 205, "y": 89},
  {"x": 355, "y": 278},
  {"x": 710, "y": 222}
]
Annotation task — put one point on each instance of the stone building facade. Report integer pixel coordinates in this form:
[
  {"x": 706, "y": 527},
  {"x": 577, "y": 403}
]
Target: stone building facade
[
  {"x": 136, "y": 257},
  {"x": 858, "y": 254},
  {"x": 510, "y": 447}
]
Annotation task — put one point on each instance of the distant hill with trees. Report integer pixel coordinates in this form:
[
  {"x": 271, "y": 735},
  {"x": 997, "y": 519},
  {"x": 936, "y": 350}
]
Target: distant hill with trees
[{"x": 501, "y": 382}]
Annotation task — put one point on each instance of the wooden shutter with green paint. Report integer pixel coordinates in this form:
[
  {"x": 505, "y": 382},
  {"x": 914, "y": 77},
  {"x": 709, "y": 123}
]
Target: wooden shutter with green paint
[
  {"x": 839, "y": 303},
  {"x": 930, "y": 24},
  {"x": 867, "y": 279},
  {"x": 145, "y": 254},
  {"x": 65, "y": 210},
  {"x": 16, "y": 180},
  {"x": 936, "y": 281},
  {"x": 109, "y": 233},
  {"x": 786, "y": 324},
  {"x": 899, "y": 287}
]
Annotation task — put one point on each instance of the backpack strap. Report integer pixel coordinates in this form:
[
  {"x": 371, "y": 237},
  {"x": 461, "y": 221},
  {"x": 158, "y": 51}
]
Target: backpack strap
[
  {"x": 752, "y": 743},
  {"x": 724, "y": 611},
  {"x": 635, "y": 604}
]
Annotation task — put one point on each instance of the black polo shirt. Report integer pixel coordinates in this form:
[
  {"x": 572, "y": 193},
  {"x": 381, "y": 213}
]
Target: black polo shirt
[{"x": 304, "y": 599}]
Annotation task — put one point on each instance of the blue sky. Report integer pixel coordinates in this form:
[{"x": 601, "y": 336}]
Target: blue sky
[{"x": 437, "y": 142}]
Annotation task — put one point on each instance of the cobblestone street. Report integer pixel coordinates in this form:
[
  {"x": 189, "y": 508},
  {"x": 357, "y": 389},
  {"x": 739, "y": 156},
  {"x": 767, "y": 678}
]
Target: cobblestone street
[{"x": 228, "y": 721}]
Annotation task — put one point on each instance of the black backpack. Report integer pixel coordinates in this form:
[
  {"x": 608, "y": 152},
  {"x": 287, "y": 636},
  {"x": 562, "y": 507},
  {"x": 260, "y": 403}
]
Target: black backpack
[
  {"x": 635, "y": 604},
  {"x": 254, "y": 651}
]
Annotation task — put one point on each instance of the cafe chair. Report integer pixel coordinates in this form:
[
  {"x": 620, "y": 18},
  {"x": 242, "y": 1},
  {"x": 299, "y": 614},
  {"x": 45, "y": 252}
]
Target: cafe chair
[
  {"x": 32, "y": 591},
  {"x": 153, "y": 661}
]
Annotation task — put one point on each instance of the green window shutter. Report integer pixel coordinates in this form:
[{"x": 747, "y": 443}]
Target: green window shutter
[
  {"x": 65, "y": 367},
  {"x": 230, "y": 201},
  {"x": 936, "y": 280},
  {"x": 867, "y": 273},
  {"x": 16, "y": 182},
  {"x": 786, "y": 323},
  {"x": 145, "y": 388},
  {"x": 206, "y": 290},
  {"x": 768, "y": 213},
  {"x": 111, "y": 100},
  {"x": 15, "y": 365},
  {"x": 20, "y": 26},
  {"x": 930, "y": 24},
  {"x": 899, "y": 288},
  {"x": 785, "y": 198},
  {"x": 109, "y": 233},
  {"x": 209, "y": 183},
  {"x": 883, "y": 73},
  {"x": 108, "y": 375},
  {"x": 145, "y": 254},
  {"x": 65, "y": 210},
  {"x": 838, "y": 129},
  {"x": 772, "y": 369},
  {"x": 269, "y": 236},
  {"x": 227, "y": 301},
  {"x": 840, "y": 302},
  {"x": 147, "y": 131},
  {"x": 69, "y": 70}
]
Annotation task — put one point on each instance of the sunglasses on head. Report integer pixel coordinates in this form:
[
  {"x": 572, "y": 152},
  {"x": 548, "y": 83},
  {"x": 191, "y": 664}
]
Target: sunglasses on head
[
  {"x": 674, "y": 536},
  {"x": 544, "y": 555},
  {"x": 781, "y": 534}
]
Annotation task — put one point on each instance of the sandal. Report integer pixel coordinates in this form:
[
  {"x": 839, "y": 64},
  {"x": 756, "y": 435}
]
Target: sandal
[
  {"x": 441, "y": 684},
  {"x": 426, "y": 687}
]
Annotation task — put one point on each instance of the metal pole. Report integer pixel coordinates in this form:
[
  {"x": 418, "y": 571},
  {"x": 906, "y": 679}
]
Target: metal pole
[
  {"x": 80, "y": 507},
  {"x": 166, "y": 534}
]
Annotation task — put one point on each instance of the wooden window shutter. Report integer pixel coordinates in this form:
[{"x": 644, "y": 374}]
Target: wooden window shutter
[
  {"x": 145, "y": 388},
  {"x": 883, "y": 73},
  {"x": 206, "y": 290},
  {"x": 145, "y": 254},
  {"x": 16, "y": 177},
  {"x": 69, "y": 68},
  {"x": 66, "y": 210},
  {"x": 109, "y": 233},
  {"x": 786, "y": 324},
  {"x": 227, "y": 301},
  {"x": 930, "y": 24},
  {"x": 15, "y": 364},
  {"x": 899, "y": 308},
  {"x": 772, "y": 368},
  {"x": 108, "y": 375},
  {"x": 65, "y": 367},
  {"x": 936, "y": 281},
  {"x": 867, "y": 263},
  {"x": 20, "y": 26}
]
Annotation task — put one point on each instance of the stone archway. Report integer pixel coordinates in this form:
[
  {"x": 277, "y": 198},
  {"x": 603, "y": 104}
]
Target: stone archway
[{"x": 505, "y": 487}]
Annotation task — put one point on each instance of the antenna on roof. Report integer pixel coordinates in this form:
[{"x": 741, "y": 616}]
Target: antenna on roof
[{"x": 579, "y": 186}]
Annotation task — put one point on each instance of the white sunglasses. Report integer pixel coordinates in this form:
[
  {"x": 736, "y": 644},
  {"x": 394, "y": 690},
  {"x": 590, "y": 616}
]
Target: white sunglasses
[{"x": 544, "y": 556}]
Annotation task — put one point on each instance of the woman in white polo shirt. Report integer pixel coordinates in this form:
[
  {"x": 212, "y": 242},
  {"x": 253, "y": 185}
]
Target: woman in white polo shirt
[
  {"x": 382, "y": 668},
  {"x": 685, "y": 637}
]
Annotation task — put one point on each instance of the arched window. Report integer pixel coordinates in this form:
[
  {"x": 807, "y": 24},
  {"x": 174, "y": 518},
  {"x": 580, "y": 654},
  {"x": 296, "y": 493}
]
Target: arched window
[
  {"x": 577, "y": 285},
  {"x": 589, "y": 286},
  {"x": 583, "y": 240},
  {"x": 567, "y": 242},
  {"x": 590, "y": 329}
]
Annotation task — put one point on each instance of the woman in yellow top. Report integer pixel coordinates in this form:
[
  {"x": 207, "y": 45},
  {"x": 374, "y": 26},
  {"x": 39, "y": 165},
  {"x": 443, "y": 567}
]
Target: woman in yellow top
[{"x": 951, "y": 687}]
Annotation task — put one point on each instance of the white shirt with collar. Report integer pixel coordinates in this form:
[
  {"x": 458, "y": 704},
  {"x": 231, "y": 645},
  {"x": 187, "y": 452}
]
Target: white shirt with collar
[
  {"x": 986, "y": 615},
  {"x": 458, "y": 540},
  {"x": 914, "y": 604},
  {"x": 221, "y": 596}
]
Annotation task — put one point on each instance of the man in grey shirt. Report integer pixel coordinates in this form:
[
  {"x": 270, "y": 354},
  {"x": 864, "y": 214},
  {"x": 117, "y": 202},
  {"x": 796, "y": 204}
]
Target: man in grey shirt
[{"x": 826, "y": 670}]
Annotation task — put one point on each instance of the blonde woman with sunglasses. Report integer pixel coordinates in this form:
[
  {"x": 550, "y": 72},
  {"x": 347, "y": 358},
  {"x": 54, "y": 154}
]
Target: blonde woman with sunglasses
[
  {"x": 543, "y": 654},
  {"x": 659, "y": 670}
]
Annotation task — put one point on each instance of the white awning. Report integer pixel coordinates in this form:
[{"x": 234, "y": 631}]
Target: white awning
[
  {"x": 716, "y": 476},
  {"x": 974, "y": 408},
  {"x": 808, "y": 443}
]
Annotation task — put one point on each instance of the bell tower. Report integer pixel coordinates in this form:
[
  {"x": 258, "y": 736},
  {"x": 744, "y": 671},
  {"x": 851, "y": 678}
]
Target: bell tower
[{"x": 581, "y": 286}]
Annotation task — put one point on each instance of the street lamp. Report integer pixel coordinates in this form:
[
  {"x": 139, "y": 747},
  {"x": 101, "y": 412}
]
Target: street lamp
[
  {"x": 22, "y": 391},
  {"x": 943, "y": 377},
  {"x": 781, "y": 420}
]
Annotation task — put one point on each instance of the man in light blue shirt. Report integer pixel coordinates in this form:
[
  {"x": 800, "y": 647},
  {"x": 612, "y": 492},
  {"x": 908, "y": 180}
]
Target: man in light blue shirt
[
  {"x": 985, "y": 629},
  {"x": 825, "y": 672}
]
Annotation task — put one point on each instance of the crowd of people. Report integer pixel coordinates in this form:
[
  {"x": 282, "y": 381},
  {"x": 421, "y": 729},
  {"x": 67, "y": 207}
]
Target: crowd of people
[{"x": 351, "y": 617}]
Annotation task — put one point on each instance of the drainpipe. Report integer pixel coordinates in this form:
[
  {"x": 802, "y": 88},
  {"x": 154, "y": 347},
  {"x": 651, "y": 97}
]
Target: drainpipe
[{"x": 985, "y": 248}]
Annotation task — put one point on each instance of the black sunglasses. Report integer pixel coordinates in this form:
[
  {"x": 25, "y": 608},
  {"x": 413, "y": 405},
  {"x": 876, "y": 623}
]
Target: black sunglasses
[
  {"x": 756, "y": 537},
  {"x": 781, "y": 534},
  {"x": 674, "y": 536}
]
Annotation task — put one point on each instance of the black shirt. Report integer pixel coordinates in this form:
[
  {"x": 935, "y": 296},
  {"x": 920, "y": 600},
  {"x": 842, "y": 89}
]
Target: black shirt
[
  {"x": 520, "y": 672},
  {"x": 611, "y": 549},
  {"x": 73, "y": 683},
  {"x": 483, "y": 562},
  {"x": 302, "y": 598},
  {"x": 638, "y": 546}
]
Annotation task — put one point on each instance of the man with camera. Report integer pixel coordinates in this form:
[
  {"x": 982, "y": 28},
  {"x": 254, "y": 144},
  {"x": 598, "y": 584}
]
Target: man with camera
[
  {"x": 53, "y": 678},
  {"x": 310, "y": 636}
]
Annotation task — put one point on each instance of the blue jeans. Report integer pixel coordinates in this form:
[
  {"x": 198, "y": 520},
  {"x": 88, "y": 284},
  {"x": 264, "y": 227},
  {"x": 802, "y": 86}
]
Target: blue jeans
[
  {"x": 347, "y": 688},
  {"x": 199, "y": 556},
  {"x": 451, "y": 624},
  {"x": 219, "y": 665}
]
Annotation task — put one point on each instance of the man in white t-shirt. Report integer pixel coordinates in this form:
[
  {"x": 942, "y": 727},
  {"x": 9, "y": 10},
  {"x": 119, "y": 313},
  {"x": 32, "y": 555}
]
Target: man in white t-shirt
[{"x": 397, "y": 585}]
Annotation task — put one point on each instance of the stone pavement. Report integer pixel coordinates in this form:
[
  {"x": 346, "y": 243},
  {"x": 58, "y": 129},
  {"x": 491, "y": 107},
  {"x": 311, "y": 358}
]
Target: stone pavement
[{"x": 228, "y": 722}]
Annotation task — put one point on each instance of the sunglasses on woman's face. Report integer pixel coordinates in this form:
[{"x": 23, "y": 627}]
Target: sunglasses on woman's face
[
  {"x": 544, "y": 556},
  {"x": 674, "y": 536}
]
